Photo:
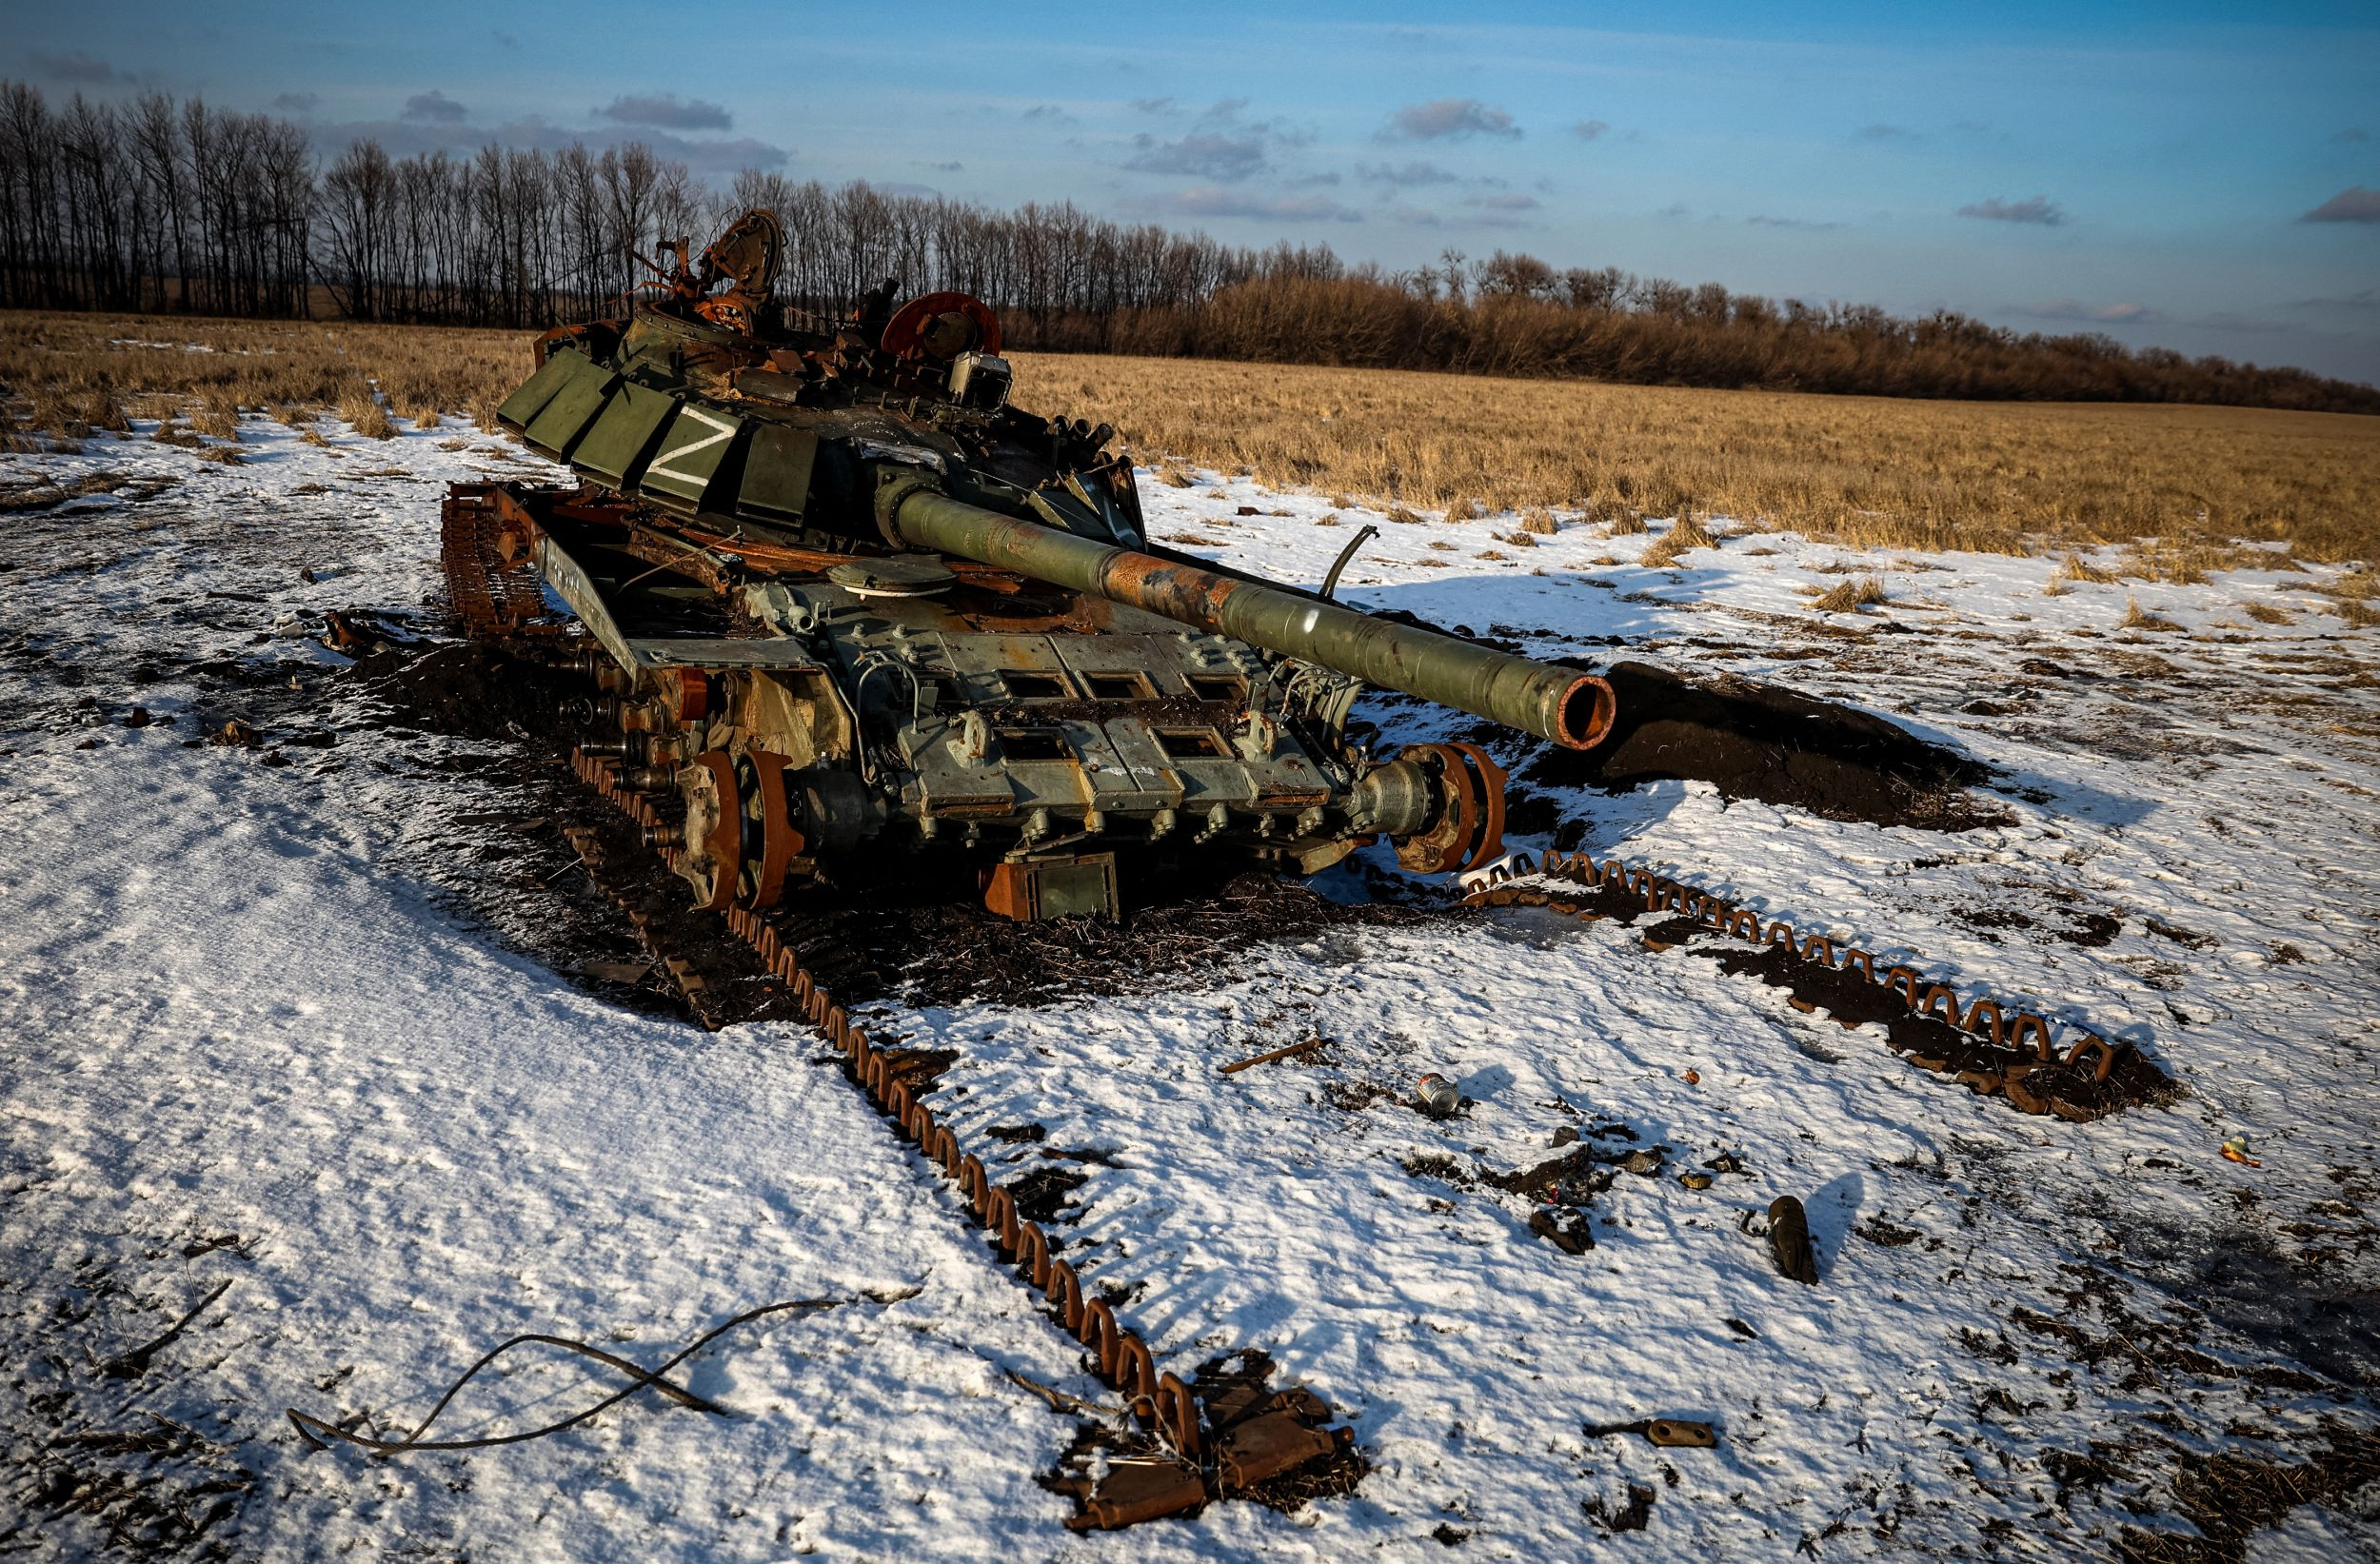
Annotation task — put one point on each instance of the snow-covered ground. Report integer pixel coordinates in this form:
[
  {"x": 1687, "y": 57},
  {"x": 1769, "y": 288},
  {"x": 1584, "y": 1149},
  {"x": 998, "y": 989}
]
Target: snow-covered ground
[{"x": 251, "y": 1037}]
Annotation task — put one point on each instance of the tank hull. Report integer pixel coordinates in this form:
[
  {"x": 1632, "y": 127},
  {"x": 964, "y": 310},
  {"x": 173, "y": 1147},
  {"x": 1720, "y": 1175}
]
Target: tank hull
[{"x": 843, "y": 607}]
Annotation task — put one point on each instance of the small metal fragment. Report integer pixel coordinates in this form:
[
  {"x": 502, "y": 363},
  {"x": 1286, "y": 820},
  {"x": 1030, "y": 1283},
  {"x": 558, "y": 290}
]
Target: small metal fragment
[
  {"x": 1789, "y": 1241},
  {"x": 1669, "y": 1433},
  {"x": 1138, "y": 1491},
  {"x": 1436, "y": 1097},
  {"x": 1268, "y": 1445},
  {"x": 1681, "y": 1434}
]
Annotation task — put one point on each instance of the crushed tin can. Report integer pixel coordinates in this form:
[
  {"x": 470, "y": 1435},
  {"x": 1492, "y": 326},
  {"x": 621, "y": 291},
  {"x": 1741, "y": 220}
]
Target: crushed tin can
[{"x": 1435, "y": 1095}]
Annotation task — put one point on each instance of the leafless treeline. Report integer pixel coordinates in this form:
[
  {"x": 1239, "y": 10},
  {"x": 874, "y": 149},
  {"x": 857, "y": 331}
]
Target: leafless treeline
[
  {"x": 1513, "y": 315},
  {"x": 156, "y": 205},
  {"x": 151, "y": 204}
]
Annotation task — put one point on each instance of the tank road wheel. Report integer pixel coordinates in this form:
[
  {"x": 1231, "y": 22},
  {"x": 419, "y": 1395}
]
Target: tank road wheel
[
  {"x": 712, "y": 859},
  {"x": 767, "y": 815},
  {"x": 1488, "y": 777},
  {"x": 1468, "y": 830}
]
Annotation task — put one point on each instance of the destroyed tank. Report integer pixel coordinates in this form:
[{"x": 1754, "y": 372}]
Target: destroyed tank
[{"x": 846, "y": 611}]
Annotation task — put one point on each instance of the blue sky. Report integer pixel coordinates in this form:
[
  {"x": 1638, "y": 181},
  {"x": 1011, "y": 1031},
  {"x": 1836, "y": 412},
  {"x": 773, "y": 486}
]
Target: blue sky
[{"x": 2197, "y": 176}]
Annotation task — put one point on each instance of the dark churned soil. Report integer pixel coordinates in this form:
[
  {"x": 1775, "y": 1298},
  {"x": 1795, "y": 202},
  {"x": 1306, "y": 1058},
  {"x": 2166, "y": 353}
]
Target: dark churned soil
[{"x": 1755, "y": 741}]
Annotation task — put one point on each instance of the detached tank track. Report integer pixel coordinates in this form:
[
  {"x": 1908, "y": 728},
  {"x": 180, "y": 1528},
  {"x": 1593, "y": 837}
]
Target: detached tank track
[
  {"x": 1991, "y": 1048},
  {"x": 1236, "y": 1442},
  {"x": 495, "y": 599},
  {"x": 1192, "y": 1448}
]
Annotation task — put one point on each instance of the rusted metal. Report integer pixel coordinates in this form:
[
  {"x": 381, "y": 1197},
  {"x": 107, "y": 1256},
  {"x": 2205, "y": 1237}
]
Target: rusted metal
[
  {"x": 494, "y": 597},
  {"x": 910, "y": 329},
  {"x": 1266, "y": 1446},
  {"x": 1135, "y": 1491},
  {"x": 1487, "y": 779},
  {"x": 1468, "y": 830},
  {"x": 2090, "y": 1042},
  {"x": 1679, "y": 1433},
  {"x": 1176, "y": 1412}
]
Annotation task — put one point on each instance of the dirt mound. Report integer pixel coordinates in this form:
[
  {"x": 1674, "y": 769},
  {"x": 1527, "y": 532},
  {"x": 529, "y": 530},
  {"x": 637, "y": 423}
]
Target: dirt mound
[{"x": 1754, "y": 740}]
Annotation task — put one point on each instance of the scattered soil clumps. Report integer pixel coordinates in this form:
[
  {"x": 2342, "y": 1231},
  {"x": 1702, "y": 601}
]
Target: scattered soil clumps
[
  {"x": 2229, "y": 1496},
  {"x": 1047, "y": 1195}
]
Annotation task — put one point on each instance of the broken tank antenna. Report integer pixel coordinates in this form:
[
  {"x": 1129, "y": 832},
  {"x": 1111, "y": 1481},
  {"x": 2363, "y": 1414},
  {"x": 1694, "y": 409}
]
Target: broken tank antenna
[{"x": 1363, "y": 535}]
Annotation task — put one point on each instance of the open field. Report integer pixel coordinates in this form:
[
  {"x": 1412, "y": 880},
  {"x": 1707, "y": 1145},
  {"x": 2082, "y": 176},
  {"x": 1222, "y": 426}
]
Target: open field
[
  {"x": 1999, "y": 477},
  {"x": 306, "y": 1052},
  {"x": 62, "y": 370}
]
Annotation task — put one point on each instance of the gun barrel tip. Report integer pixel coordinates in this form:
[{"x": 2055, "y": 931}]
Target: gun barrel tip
[{"x": 1586, "y": 713}]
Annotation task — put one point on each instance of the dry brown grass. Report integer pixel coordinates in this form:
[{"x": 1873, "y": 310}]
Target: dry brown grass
[
  {"x": 1683, "y": 534},
  {"x": 364, "y": 415},
  {"x": 2011, "y": 477},
  {"x": 1849, "y": 596},
  {"x": 2075, "y": 568},
  {"x": 2264, "y": 613},
  {"x": 2137, "y": 618},
  {"x": 217, "y": 416},
  {"x": 2008, "y": 477},
  {"x": 57, "y": 364}
]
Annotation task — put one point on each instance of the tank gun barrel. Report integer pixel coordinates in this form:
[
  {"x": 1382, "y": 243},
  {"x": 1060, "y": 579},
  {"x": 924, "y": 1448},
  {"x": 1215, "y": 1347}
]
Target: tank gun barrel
[{"x": 1561, "y": 705}]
